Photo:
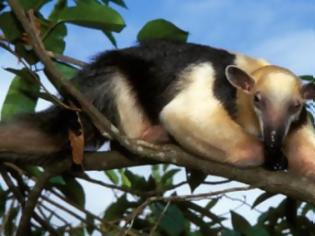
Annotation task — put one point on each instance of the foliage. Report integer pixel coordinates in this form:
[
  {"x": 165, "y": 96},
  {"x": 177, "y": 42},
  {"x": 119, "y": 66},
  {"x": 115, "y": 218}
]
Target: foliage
[{"x": 139, "y": 206}]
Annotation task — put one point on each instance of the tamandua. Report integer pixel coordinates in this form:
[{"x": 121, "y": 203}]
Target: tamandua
[{"x": 219, "y": 105}]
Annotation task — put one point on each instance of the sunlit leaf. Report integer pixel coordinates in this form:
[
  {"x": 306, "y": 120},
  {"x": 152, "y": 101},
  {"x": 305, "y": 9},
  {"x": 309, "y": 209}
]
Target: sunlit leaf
[
  {"x": 156, "y": 172},
  {"x": 110, "y": 37},
  {"x": 118, "y": 2},
  {"x": 57, "y": 180},
  {"x": 21, "y": 96},
  {"x": 59, "y": 6},
  {"x": 67, "y": 71},
  {"x": 112, "y": 175},
  {"x": 55, "y": 39},
  {"x": 124, "y": 179},
  {"x": 93, "y": 16},
  {"x": 162, "y": 29}
]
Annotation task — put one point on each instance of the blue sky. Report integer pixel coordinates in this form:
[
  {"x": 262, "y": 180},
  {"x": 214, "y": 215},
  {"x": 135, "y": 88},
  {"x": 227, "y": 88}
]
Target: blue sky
[{"x": 281, "y": 31}]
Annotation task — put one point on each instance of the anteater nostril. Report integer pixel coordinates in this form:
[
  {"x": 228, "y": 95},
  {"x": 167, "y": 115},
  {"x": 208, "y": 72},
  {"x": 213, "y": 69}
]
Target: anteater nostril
[{"x": 273, "y": 136}]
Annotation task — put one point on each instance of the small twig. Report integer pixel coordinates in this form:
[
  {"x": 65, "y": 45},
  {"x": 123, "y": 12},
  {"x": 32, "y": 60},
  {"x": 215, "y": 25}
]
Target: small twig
[
  {"x": 63, "y": 208},
  {"x": 190, "y": 197},
  {"x": 243, "y": 201},
  {"x": 203, "y": 211},
  {"x": 30, "y": 204},
  {"x": 217, "y": 182},
  {"x": 157, "y": 223},
  {"x": 111, "y": 186},
  {"x": 19, "y": 196},
  {"x": 53, "y": 213},
  {"x": 67, "y": 59}
]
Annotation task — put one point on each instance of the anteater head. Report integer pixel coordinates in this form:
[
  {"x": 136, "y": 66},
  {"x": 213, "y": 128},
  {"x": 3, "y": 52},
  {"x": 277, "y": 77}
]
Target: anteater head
[{"x": 277, "y": 97}]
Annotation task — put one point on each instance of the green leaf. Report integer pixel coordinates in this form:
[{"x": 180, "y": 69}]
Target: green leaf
[
  {"x": 167, "y": 178},
  {"x": 257, "y": 231},
  {"x": 212, "y": 203},
  {"x": 118, "y": 2},
  {"x": 239, "y": 223},
  {"x": 308, "y": 78},
  {"x": 57, "y": 180},
  {"x": 112, "y": 175},
  {"x": 273, "y": 214},
  {"x": 165, "y": 167},
  {"x": 156, "y": 173},
  {"x": 3, "y": 200},
  {"x": 10, "y": 26},
  {"x": 90, "y": 224},
  {"x": 308, "y": 207},
  {"x": 73, "y": 191},
  {"x": 21, "y": 96},
  {"x": 110, "y": 37},
  {"x": 162, "y": 29},
  {"x": 93, "y": 16},
  {"x": 195, "y": 178},
  {"x": 173, "y": 221},
  {"x": 229, "y": 232},
  {"x": 55, "y": 39},
  {"x": 77, "y": 231},
  {"x": 33, "y": 171},
  {"x": 117, "y": 209},
  {"x": 124, "y": 179},
  {"x": 137, "y": 182},
  {"x": 261, "y": 198},
  {"x": 68, "y": 71},
  {"x": 59, "y": 6}
]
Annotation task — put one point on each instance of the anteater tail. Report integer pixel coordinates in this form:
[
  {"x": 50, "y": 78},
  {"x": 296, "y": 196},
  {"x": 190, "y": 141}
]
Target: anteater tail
[{"x": 35, "y": 135}]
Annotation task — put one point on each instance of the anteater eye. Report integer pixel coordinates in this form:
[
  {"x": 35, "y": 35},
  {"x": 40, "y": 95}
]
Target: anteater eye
[
  {"x": 257, "y": 98},
  {"x": 295, "y": 107}
]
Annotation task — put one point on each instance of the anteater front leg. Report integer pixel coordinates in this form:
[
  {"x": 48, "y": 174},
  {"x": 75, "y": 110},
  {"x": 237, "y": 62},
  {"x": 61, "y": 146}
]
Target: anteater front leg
[
  {"x": 199, "y": 122},
  {"x": 300, "y": 150}
]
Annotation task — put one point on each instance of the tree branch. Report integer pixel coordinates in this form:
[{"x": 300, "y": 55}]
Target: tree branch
[
  {"x": 20, "y": 197},
  {"x": 34, "y": 195}
]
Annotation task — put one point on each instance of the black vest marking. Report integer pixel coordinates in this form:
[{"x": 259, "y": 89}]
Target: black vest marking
[
  {"x": 301, "y": 121},
  {"x": 152, "y": 69}
]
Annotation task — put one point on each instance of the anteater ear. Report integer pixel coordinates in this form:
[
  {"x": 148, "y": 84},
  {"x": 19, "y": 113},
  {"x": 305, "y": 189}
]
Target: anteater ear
[
  {"x": 239, "y": 78},
  {"x": 308, "y": 91}
]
